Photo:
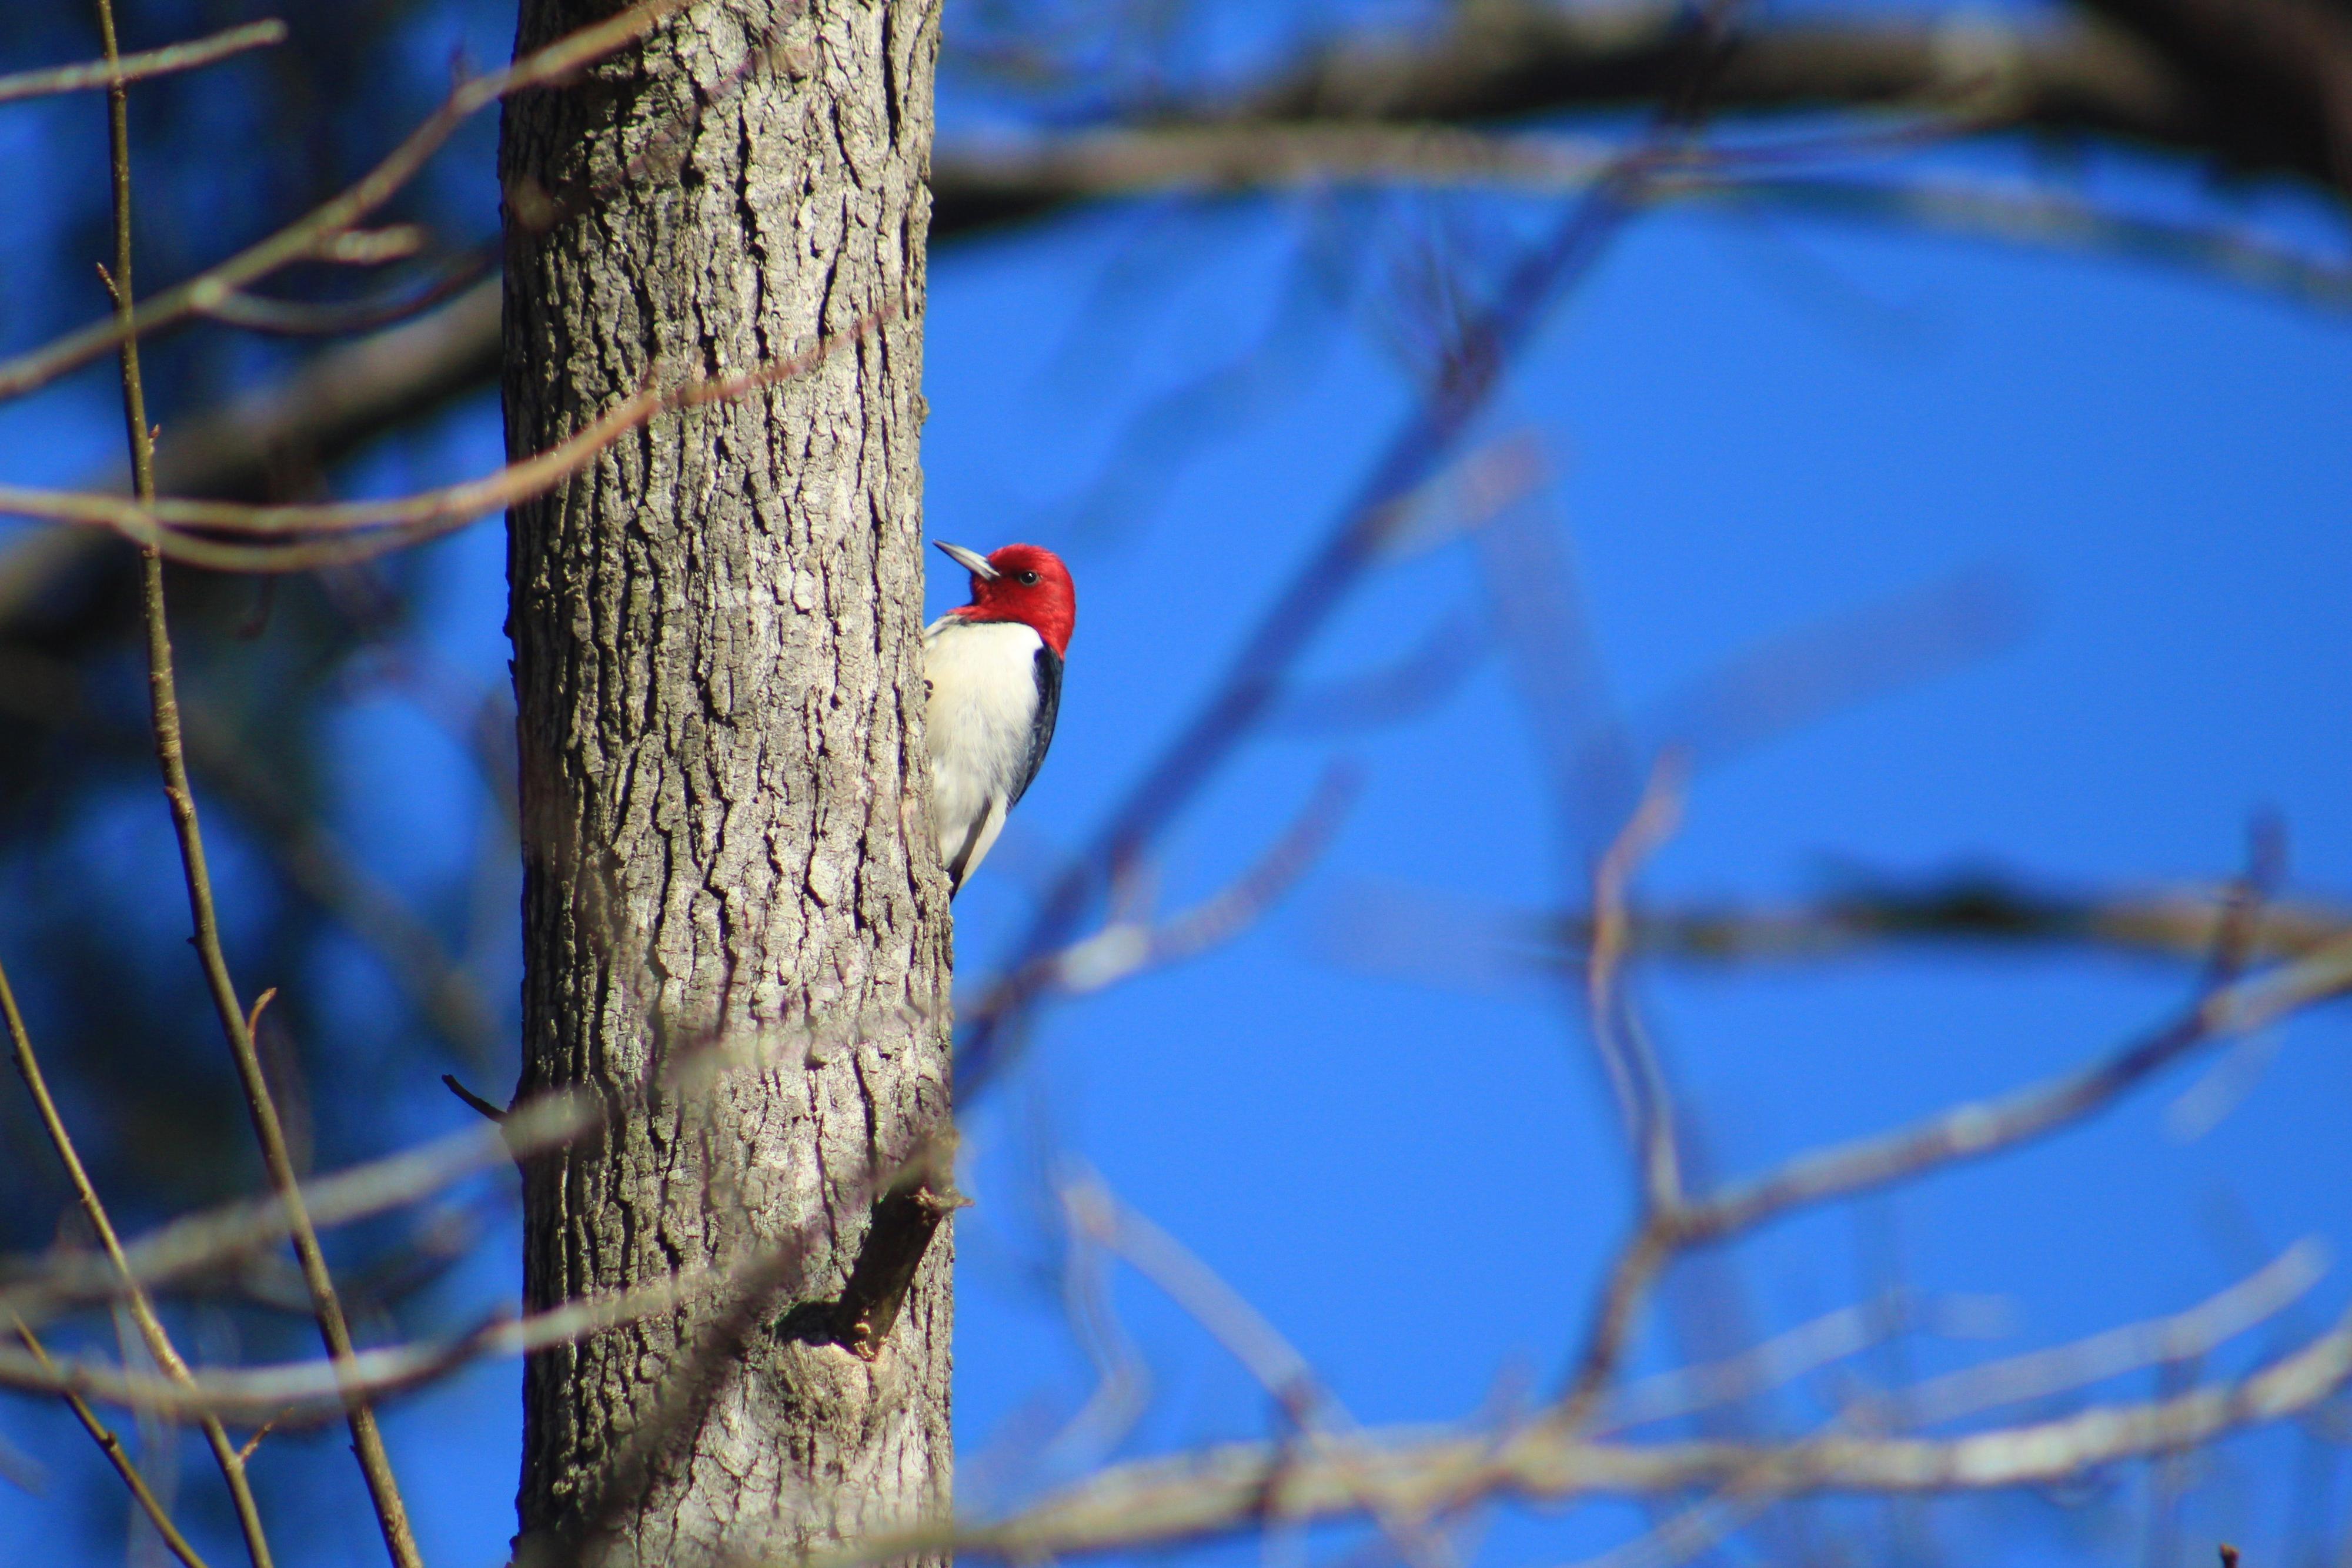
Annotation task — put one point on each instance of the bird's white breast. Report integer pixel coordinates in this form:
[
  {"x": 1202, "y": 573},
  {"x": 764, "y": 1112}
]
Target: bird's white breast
[{"x": 983, "y": 708}]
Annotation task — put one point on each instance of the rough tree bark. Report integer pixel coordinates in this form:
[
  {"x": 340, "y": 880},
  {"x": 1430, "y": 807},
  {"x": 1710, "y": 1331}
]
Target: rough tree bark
[{"x": 718, "y": 673}]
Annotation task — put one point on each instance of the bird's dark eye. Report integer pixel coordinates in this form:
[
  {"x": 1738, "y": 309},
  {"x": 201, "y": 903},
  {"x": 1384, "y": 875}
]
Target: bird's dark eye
[{"x": 1028, "y": 580}]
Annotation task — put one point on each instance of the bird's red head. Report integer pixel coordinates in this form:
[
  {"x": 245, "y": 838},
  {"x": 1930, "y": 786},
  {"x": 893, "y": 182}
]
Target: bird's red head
[{"x": 1027, "y": 584}]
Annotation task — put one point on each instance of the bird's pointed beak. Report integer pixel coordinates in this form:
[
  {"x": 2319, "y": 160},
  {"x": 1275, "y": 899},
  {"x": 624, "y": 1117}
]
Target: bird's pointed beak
[{"x": 970, "y": 560}]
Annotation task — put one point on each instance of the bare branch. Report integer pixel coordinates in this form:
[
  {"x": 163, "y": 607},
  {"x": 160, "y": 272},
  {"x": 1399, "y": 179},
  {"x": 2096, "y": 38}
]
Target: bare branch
[
  {"x": 1089, "y": 165},
  {"x": 116, "y": 1455},
  {"x": 1980, "y": 909},
  {"x": 203, "y": 1240},
  {"x": 336, "y": 402},
  {"x": 170, "y": 755},
  {"x": 315, "y": 232},
  {"x": 1501, "y": 62},
  {"x": 1231, "y": 1487},
  {"x": 311, "y": 532},
  {"x": 300, "y": 1392},
  {"x": 2282, "y": 68},
  {"x": 1974, "y": 1130},
  {"x": 1782, "y": 1359},
  {"x": 2196, "y": 1332},
  {"x": 1126, "y": 946},
  {"x": 187, "y": 56},
  {"x": 151, "y": 1332},
  {"x": 1286, "y": 1375},
  {"x": 302, "y": 318},
  {"x": 1617, "y": 1034},
  {"x": 2050, "y": 220}
]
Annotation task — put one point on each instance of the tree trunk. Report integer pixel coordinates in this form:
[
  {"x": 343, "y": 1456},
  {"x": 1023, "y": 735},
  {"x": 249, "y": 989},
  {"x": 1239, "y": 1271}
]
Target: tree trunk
[{"x": 735, "y": 930}]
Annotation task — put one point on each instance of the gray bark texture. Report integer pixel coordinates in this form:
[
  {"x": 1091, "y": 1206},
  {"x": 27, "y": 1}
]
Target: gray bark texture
[{"x": 736, "y": 932}]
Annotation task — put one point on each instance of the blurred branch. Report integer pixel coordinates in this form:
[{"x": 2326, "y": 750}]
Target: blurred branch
[
  {"x": 1224, "y": 1489},
  {"x": 2092, "y": 79},
  {"x": 2280, "y": 68},
  {"x": 1036, "y": 174},
  {"x": 1973, "y": 1130},
  {"x": 2196, "y": 1332},
  {"x": 36, "y": 689},
  {"x": 332, "y": 532},
  {"x": 1429, "y": 672},
  {"x": 1416, "y": 109},
  {"x": 336, "y": 402},
  {"x": 299, "y": 318},
  {"x": 1982, "y": 909},
  {"x": 1965, "y": 1132},
  {"x": 322, "y": 868},
  {"x": 1094, "y": 166},
  {"x": 151, "y": 1332},
  {"x": 1288, "y": 1379},
  {"x": 1245, "y": 694},
  {"x": 307, "y": 1390},
  {"x": 2227, "y": 1005},
  {"x": 146, "y": 63},
  {"x": 1127, "y": 945},
  {"x": 1392, "y": 104},
  {"x": 2047, "y": 219},
  {"x": 116, "y": 1455},
  {"x": 1417, "y": 1478},
  {"x": 2037, "y": 1374},
  {"x": 1685, "y": 1532},
  {"x": 1780, "y": 1360},
  {"x": 1617, "y": 1034},
  {"x": 316, "y": 235},
  {"x": 201, "y": 1240}
]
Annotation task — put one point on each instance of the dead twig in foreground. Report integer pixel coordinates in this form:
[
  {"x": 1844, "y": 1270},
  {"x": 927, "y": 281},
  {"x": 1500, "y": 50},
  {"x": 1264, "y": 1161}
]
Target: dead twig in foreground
[
  {"x": 162, "y": 524},
  {"x": 116, "y": 69}
]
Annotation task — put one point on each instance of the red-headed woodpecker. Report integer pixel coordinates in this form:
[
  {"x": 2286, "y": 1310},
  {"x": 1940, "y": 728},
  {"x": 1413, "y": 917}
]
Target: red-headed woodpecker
[{"x": 993, "y": 675}]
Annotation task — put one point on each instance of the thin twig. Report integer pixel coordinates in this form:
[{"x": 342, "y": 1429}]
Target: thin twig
[
  {"x": 1271, "y": 1359},
  {"x": 1780, "y": 1360},
  {"x": 1684, "y": 1533},
  {"x": 1130, "y": 943},
  {"x": 1633, "y": 1066},
  {"x": 1965, "y": 1132},
  {"x": 316, "y": 233},
  {"x": 143, "y": 1310},
  {"x": 120, "y": 1458},
  {"x": 367, "y": 1442},
  {"x": 316, "y": 534},
  {"x": 116, "y": 69},
  {"x": 2196, "y": 1332},
  {"x": 308, "y": 319},
  {"x": 209, "y": 1238},
  {"x": 472, "y": 1100},
  {"x": 1973, "y": 1130}
]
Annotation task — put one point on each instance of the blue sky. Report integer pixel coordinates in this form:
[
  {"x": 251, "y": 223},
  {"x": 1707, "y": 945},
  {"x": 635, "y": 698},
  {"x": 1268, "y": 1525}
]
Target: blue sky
[{"x": 1755, "y": 422}]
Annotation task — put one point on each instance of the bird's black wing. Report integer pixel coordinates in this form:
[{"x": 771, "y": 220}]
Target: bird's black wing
[{"x": 1040, "y": 728}]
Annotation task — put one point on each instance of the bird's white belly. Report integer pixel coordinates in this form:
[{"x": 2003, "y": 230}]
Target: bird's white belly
[{"x": 978, "y": 722}]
